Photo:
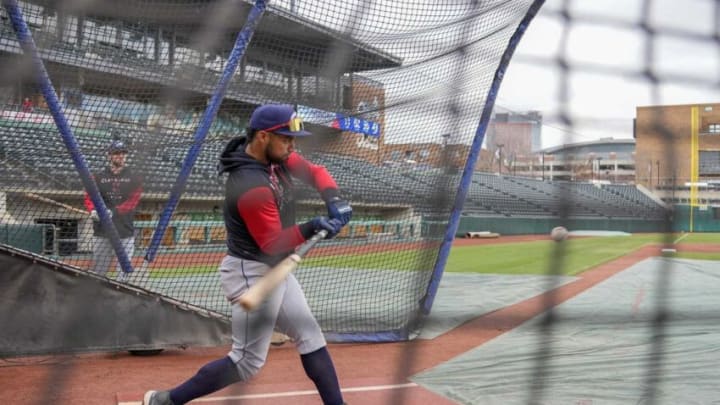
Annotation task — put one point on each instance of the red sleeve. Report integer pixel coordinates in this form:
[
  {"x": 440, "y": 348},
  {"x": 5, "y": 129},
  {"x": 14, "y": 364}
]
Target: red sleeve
[
  {"x": 310, "y": 173},
  {"x": 132, "y": 201},
  {"x": 258, "y": 209},
  {"x": 88, "y": 202}
]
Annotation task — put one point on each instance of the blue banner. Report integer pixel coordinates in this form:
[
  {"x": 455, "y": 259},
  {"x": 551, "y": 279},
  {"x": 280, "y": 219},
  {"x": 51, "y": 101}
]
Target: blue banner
[
  {"x": 338, "y": 121},
  {"x": 358, "y": 125}
]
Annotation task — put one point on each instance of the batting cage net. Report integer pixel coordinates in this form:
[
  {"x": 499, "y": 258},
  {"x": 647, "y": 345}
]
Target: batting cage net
[
  {"x": 113, "y": 116},
  {"x": 397, "y": 102}
]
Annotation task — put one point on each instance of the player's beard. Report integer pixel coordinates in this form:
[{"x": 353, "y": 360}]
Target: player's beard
[
  {"x": 117, "y": 165},
  {"x": 274, "y": 159}
]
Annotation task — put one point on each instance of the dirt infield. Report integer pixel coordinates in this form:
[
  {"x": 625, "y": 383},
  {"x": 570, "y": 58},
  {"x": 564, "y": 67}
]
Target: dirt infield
[
  {"x": 183, "y": 259},
  {"x": 374, "y": 373}
]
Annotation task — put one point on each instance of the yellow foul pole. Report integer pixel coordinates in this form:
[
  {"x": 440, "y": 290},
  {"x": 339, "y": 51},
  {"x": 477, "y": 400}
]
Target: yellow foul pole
[{"x": 694, "y": 130}]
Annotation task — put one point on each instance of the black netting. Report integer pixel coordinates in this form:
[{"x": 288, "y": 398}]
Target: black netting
[
  {"x": 400, "y": 96},
  {"x": 394, "y": 100}
]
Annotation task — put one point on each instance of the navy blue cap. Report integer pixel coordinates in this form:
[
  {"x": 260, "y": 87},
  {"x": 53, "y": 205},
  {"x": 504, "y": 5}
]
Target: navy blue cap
[
  {"x": 117, "y": 146},
  {"x": 279, "y": 119}
]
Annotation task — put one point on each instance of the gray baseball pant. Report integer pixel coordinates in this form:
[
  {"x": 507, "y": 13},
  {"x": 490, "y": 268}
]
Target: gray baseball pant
[
  {"x": 104, "y": 254},
  {"x": 285, "y": 309}
]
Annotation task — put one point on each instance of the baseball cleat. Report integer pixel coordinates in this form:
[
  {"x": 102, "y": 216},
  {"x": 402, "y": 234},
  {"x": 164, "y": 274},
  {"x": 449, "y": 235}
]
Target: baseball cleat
[{"x": 157, "y": 398}]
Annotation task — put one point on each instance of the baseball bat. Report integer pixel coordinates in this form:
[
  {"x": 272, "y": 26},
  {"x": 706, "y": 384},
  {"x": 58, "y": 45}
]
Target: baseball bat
[
  {"x": 38, "y": 197},
  {"x": 258, "y": 291}
]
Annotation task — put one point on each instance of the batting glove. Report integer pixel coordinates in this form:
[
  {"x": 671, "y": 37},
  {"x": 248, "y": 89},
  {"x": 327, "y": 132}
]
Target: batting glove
[
  {"x": 339, "y": 209},
  {"x": 332, "y": 226},
  {"x": 94, "y": 215}
]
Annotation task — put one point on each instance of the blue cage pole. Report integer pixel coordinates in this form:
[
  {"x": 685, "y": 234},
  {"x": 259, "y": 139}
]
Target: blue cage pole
[
  {"x": 28, "y": 45},
  {"x": 427, "y": 301},
  {"x": 241, "y": 43}
]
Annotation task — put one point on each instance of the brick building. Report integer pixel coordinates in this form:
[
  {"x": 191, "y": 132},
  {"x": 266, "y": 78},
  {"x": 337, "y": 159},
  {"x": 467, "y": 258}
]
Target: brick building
[{"x": 677, "y": 144}]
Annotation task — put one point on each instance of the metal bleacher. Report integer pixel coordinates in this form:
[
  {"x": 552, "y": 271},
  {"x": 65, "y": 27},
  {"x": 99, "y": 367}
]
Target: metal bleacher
[
  {"x": 34, "y": 156},
  {"x": 630, "y": 194},
  {"x": 517, "y": 196},
  {"x": 37, "y": 152},
  {"x": 506, "y": 197},
  {"x": 363, "y": 181}
]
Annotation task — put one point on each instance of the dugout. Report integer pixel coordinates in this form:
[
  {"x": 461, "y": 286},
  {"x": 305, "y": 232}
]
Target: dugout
[{"x": 28, "y": 237}]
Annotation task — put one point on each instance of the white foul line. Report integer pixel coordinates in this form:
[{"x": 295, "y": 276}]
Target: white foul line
[
  {"x": 293, "y": 393},
  {"x": 685, "y": 235}
]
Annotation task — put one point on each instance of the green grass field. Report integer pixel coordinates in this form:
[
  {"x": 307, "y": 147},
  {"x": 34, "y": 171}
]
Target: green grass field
[
  {"x": 512, "y": 258},
  {"x": 527, "y": 257},
  {"x": 573, "y": 255}
]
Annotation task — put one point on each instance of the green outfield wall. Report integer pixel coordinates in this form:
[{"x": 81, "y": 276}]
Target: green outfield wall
[
  {"x": 527, "y": 225},
  {"x": 29, "y": 237},
  {"x": 684, "y": 219},
  {"x": 696, "y": 219}
]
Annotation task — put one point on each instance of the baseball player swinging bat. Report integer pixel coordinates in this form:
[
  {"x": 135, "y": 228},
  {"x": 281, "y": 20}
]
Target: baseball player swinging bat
[{"x": 258, "y": 291}]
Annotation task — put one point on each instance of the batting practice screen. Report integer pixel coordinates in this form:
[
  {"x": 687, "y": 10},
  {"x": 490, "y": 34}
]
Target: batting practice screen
[{"x": 397, "y": 102}]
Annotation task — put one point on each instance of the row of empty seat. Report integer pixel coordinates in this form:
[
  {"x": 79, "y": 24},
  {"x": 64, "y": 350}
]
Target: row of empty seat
[
  {"x": 512, "y": 196},
  {"x": 38, "y": 157}
]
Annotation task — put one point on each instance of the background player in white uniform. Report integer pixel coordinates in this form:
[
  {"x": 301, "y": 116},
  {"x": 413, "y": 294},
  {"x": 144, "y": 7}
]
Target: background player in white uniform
[{"x": 259, "y": 217}]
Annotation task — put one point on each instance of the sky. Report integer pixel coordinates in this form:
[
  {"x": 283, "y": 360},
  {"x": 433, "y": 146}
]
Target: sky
[
  {"x": 605, "y": 48},
  {"x": 607, "y": 45}
]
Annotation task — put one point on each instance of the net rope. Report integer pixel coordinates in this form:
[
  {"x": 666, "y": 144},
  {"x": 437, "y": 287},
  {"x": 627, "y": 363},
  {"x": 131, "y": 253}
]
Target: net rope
[{"x": 394, "y": 92}]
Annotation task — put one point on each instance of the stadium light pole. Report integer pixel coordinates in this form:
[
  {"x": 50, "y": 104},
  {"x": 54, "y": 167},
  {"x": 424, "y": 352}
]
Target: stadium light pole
[
  {"x": 500, "y": 148},
  {"x": 658, "y": 172},
  {"x": 613, "y": 156},
  {"x": 674, "y": 186},
  {"x": 445, "y": 159},
  {"x": 650, "y": 173}
]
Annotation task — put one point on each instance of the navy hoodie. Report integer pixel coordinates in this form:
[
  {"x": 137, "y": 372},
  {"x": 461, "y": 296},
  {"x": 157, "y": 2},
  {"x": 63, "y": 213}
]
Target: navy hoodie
[
  {"x": 259, "y": 208},
  {"x": 121, "y": 193}
]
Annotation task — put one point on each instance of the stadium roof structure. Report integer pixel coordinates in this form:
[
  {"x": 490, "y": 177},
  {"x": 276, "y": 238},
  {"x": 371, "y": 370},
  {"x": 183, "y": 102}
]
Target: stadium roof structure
[
  {"x": 301, "y": 32},
  {"x": 296, "y": 33},
  {"x": 598, "y": 142}
]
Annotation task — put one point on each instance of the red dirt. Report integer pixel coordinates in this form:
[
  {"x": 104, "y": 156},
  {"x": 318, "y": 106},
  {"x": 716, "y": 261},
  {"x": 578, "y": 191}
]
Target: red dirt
[{"x": 106, "y": 378}]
